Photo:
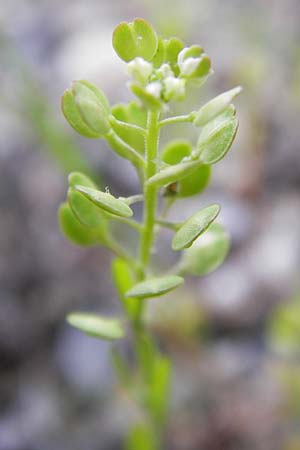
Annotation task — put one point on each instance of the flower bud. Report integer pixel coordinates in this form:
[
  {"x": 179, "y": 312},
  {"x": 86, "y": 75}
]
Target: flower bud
[
  {"x": 193, "y": 63},
  {"x": 148, "y": 95},
  {"x": 86, "y": 109},
  {"x": 174, "y": 89},
  {"x": 140, "y": 70}
]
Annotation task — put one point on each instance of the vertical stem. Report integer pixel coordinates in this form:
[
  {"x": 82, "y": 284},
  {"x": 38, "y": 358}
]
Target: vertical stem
[{"x": 150, "y": 192}]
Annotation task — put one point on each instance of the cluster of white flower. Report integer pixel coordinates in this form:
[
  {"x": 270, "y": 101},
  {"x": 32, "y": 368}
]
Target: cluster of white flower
[{"x": 161, "y": 85}]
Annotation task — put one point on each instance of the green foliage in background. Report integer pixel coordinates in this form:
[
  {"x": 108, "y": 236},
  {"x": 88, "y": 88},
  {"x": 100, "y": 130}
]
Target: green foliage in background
[{"x": 161, "y": 71}]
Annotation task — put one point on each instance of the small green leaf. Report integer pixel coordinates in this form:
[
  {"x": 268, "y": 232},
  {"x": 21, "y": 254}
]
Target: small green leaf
[
  {"x": 86, "y": 212},
  {"x": 173, "y": 173},
  {"x": 215, "y": 107},
  {"x": 133, "y": 39},
  {"x": 79, "y": 178},
  {"x": 283, "y": 329},
  {"x": 194, "y": 227},
  {"x": 123, "y": 281},
  {"x": 155, "y": 287},
  {"x": 141, "y": 437},
  {"x": 207, "y": 253},
  {"x": 159, "y": 389},
  {"x": 215, "y": 147},
  {"x": 106, "y": 201},
  {"x": 97, "y": 326},
  {"x": 73, "y": 229}
]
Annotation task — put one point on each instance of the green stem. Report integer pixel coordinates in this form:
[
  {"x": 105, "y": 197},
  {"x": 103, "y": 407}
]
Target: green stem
[
  {"x": 150, "y": 192},
  {"x": 177, "y": 119},
  {"x": 127, "y": 126}
]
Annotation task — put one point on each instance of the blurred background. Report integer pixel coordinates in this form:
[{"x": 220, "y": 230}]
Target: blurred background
[{"x": 234, "y": 335}]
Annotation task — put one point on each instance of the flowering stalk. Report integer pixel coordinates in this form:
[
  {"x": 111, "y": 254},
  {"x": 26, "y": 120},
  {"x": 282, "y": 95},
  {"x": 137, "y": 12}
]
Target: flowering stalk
[{"x": 161, "y": 72}]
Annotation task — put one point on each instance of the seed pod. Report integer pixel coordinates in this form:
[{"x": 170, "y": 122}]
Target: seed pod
[
  {"x": 216, "y": 144},
  {"x": 86, "y": 109},
  {"x": 196, "y": 181},
  {"x": 137, "y": 38},
  {"x": 173, "y": 173},
  {"x": 106, "y": 201},
  {"x": 97, "y": 326},
  {"x": 74, "y": 230},
  {"x": 196, "y": 225},
  {"x": 215, "y": 107},
  {"x": 207, "y": 253},
  {"x": 155, "y": 287}
]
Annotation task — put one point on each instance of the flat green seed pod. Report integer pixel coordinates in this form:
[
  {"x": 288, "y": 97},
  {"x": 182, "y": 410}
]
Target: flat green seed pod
[
  {"x": 71, "y": 113},
  {"x": 194, "y": 183},
  {"x": 215, "y": 107},
  {"x": 155, "y": 287},
  {"x": 73, "y": 229},
  {"x": 215, "y": 147},
  {"x": 194, "y": 227},
  {"x": 106, "y": 201},
  {"x": 207, "y": 253},
  {"x": 86, "y": 212},
  {"x": 173, "y": 173},
  {"x": 160, "y": 55},
  {"x": 79, "y": 178},
  {"x": 97, "y": 326},
  {"x": 228, "y": 114},
  {"x": 175, "y": 151},
  {"x": 137, "y": 38},
  {"x": 93, "y": 115},
  {"x": 173, "y": 47},
  {"x": 99, "y": 94},
  {"x": 134, "y": 114}
]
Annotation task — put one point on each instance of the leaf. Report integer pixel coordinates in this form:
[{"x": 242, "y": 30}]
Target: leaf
[
  {"x": 283, "y": 329},
  {"x": 159, "y": 389},
  {"x": 74, "y": 230},
  {"x": 215, "y": 107},
  {"x": 106, "y": 201},
  {"x": 141, "y": 437},
  {"x": 123, "y": 280},
  {"x": 133, "y": 39},
  {"x": 207, "y": 253},
  {"x": 155, "y": 287},
  {"x": 173, "y": 173},
  {"x": 215, "y": 147},
  {"x": 97, "y": 326},
  {"x": 86, "y": 212},
  {"x": 79, "y": 178},
  {"x": 194, "y": 227}
]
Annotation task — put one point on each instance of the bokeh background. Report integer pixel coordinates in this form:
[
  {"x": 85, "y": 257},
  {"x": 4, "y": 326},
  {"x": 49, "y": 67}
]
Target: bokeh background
[{"x": 233, "y": 336}]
